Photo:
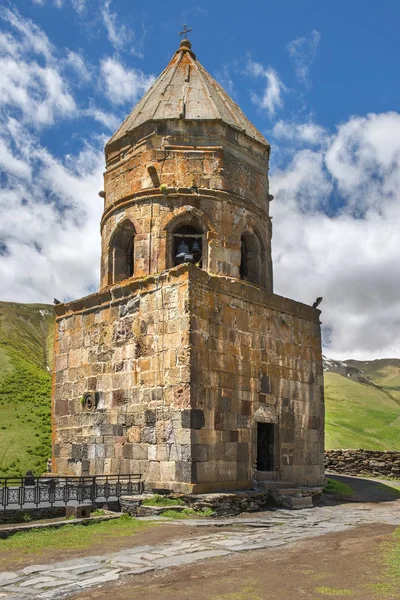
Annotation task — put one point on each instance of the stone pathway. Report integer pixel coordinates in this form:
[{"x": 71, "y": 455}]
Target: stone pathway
[{"x": 264, "y": 530}]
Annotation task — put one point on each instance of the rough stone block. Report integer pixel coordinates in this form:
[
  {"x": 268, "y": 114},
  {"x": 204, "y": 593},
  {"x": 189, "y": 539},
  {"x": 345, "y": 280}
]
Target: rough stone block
[
  {"x": 200, "y": 452},
  {"x": 192, "y": 418},
  {"x": 150, "y": 417}
]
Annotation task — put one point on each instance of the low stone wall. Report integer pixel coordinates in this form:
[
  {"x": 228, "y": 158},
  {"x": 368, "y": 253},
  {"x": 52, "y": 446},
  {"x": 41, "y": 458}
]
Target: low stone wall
[
  {"x": 228, "y": 504},
  {"x": 222, "y": 504},
  {"x": 363, "y": 462},
  {"x": 21, "y": 515},
  {"x": 27, "y": 515}
]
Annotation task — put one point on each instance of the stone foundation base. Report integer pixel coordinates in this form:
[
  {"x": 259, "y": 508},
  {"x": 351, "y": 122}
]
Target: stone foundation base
[
  {"x": 295, "y": 498},
  {"x": 227, "y": 504},
  {"x": 198, "y": 488}
]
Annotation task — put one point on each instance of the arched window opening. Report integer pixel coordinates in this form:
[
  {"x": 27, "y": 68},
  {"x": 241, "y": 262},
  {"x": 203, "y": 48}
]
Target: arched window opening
[
  {"x": 250, "y": 258},
  {"x": 121, "y": 259},
  {"x": 188, "y": 245}
]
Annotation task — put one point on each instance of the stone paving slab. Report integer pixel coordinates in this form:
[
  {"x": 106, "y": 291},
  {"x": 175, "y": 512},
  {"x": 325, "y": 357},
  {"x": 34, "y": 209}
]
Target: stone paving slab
[
  {"x": 104, "y": 578},
  {"x": 7, "y": 577},
  {"x": 185, "y": 559},
  {"x": 282, "y": 527}
]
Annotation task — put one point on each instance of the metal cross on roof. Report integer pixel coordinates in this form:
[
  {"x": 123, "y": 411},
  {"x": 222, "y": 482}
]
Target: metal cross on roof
[{"x": 186, "y": 30}]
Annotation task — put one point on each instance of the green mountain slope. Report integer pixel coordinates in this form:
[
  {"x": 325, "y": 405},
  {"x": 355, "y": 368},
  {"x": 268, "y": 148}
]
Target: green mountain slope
[
  {"x": 362, "y": 401},
  {"x": 384, "y": 372},
  {"x": 26, "y": 339}
]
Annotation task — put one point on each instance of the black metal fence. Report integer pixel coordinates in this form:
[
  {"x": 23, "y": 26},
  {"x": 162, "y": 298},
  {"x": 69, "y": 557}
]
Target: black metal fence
[{"x": 20, "y": 492}]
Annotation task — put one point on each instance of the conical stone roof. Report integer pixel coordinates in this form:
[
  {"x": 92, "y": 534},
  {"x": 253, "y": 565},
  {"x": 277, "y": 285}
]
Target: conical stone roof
[{"x": 185, "y": 90}]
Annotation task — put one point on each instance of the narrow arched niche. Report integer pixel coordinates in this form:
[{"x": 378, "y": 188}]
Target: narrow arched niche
[
  {"x": 250, "y": 257},
  {"x": 121, "y": 253}
]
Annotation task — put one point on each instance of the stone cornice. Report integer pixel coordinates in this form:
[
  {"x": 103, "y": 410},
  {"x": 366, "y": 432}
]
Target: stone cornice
[
  {"x": 155, "y": 194},
  {"x": 236, "y": 288}
]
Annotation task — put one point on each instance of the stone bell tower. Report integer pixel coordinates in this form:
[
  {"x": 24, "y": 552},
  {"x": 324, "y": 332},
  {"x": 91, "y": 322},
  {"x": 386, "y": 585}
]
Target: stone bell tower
[
  {"x": 185, "y": 367},
  {"x": 186, "y": 162}
]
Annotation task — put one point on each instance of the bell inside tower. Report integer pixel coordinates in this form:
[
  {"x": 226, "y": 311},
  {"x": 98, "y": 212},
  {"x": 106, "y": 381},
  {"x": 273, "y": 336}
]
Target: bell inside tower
[{"x": 188, "y": 245}]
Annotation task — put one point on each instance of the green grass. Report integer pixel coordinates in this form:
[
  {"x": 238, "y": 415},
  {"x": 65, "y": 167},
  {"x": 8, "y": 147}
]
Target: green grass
[
  {"x": 248, "y": 592},
  {"x": 327, "y": 591},
  {"x": 338, "y": 488},
  {"x": 392, "y": 560},
  {"x": 158, "y": 500},
  {"x": 72, "y": 536},
  {"x": 359, "y": 416},
  {"x": 186, "y": 513},
  {"x": 390, "y": 587},
  {"x": 26, "y": 333}
]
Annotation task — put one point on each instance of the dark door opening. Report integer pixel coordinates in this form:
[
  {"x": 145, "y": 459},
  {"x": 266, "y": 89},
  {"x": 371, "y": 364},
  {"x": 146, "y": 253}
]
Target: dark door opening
[{"x": 265, "y": 446}]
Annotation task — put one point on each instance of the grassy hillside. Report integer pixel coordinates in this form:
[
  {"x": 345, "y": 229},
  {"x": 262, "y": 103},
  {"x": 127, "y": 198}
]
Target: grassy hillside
[
  {"x": 384, "y": 372},
  {"x": 26, "y": 337},
  {"x": 363, "y": 405}
]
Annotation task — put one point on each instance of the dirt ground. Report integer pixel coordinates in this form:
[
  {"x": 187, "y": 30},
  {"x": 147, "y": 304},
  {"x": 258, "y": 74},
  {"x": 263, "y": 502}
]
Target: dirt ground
[{"x": 345, "y": 564}]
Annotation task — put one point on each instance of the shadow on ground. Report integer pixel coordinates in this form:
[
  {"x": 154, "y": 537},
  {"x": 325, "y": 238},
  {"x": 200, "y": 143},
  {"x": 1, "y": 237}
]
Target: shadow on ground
[{"x": 365, "y": 490}]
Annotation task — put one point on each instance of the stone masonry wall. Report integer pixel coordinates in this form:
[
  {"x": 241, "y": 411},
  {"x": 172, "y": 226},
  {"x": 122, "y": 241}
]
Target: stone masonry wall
[
  {"x": 183, "y": 366},
  {"x": 363, "y": 462},
  {"x": 256, "y": 358},
  {"x": 130, "y": 346},
  {"x": 209, "y": 155}
]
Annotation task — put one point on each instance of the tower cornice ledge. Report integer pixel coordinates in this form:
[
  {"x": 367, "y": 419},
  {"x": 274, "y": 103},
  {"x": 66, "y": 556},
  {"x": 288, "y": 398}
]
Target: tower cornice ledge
[
  {"x": 117, "y": 294},
  {"x": 187, "y": 195}
]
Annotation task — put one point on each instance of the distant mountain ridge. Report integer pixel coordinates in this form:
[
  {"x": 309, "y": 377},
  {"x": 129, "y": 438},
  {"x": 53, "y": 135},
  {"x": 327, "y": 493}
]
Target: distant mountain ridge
[{"x": 383, "y": 373}]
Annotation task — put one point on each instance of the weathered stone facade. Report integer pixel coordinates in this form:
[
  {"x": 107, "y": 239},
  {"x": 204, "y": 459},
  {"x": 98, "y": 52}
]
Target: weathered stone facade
[{"x": 172, "y": 370}]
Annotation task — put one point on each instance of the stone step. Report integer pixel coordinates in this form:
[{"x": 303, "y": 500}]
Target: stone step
[
  {"x": 298, "y": 491},
  {"x": 293, "y": 502},
  {"x": 265, "y": 475},
  {"x": 273, "y": 485}
]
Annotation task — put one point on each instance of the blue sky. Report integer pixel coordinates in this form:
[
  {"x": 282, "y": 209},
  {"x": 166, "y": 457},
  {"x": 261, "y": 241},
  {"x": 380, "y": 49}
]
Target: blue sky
[{"x": 318, "y": 79}]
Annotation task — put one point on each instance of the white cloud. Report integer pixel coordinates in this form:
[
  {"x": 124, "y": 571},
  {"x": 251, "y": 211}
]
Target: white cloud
[
  {"x": 38, "y": 93},
  {"x": 350, "y": 258},
  {"x": 119, "y": 34},
  {"x": 121, "y": 84},
  {"x": 11, "y": 164},
  {"x": 271, "y": 98},
  {"x": 107, "y": 119},
  {"x": 50, "y": 210},
  {"x": 301, "y": 133},
  {"x": 303, "y": 52},
  {"x": 78, "y": 65},
  {"x": 78, "y": 5},
  {"x": 365, "y": 159},
  {"x": 31, "y": 37},
  {"x": 50, "y": 223},
  {"x": 30, "y": 84}
]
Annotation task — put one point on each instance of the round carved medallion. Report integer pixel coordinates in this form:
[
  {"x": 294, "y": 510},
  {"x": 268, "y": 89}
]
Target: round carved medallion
[{"x": 89, "y": 401}]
